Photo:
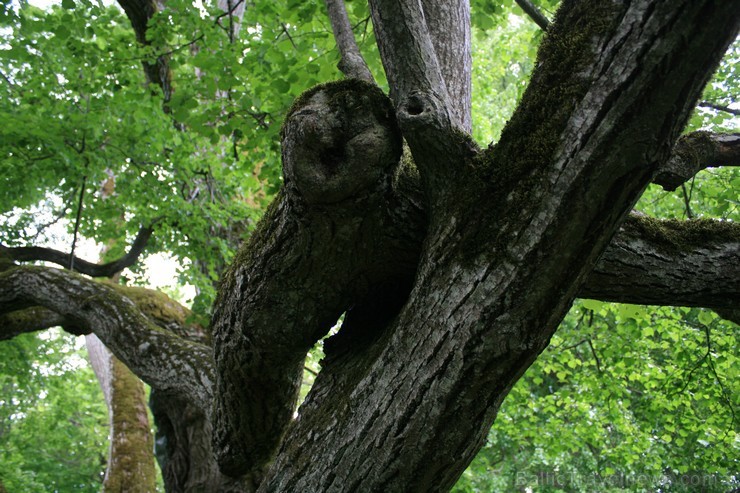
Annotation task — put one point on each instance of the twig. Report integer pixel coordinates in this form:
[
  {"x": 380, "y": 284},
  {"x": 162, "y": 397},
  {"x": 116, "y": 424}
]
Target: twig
[
  {"x": 687, "y": 201},
  {"x": 77, "y": 224},
  {"x": 718, "y": 107},
  {"x": 290, "y": 38},
  {"x": 596, "y": 357}
]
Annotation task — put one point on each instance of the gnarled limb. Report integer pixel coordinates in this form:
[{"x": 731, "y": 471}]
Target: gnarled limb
[
  {"x": 696, "y": 151},
  {"x": 163, "y": 360},
  {"x": 109, "y": 269},
  {"x": 325, "y": 241}
]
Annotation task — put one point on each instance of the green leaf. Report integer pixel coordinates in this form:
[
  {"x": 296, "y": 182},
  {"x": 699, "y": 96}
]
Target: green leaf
[{"x": 68, "y": 4}]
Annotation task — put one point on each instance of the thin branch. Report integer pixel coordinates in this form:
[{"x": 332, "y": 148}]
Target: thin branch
[
  {"x": 534, "y": 13},
  {"x": 290, "y": 38},
  {"x": 718, "y": 107},
  {"x": 351, "y": 63},
  {"x": 596, "y": 356},
  {"x": 725, "y": 395},
  {"x": 227, "y": 12},
  {"x": 26, "y": 254},
  {"x": 77, "y": 224},
  {"x": 687, "y": 201}
]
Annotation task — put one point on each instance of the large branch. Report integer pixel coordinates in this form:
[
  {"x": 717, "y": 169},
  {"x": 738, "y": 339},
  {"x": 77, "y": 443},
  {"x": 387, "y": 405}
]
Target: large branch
[
  {"x": 140, "y": 13},
  {"x": 449, "y": 27},
  {"x": 30, "y": 320},
  {"x": 163, "y": 360},
  {"x": 695, "y": 152},
  {"x": 324, "y": 242},
  {"x": 683, "y": 263},
  {"x": 109, "y": 269},
  {"x": 433, "y": 117}
]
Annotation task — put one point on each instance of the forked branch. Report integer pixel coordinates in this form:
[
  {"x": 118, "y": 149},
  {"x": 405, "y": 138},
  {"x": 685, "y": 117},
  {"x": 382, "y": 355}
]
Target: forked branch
[{"x": 351, "y": 63}]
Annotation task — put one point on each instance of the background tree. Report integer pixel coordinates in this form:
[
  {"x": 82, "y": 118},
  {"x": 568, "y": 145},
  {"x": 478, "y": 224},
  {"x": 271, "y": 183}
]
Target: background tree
[{"x": 443, "y": 309}]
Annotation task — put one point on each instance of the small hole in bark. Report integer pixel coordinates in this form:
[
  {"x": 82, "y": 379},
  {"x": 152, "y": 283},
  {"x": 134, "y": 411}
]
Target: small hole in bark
[
  {"x": 415, "y": 108},
  {"x": 332, "y": 157}
]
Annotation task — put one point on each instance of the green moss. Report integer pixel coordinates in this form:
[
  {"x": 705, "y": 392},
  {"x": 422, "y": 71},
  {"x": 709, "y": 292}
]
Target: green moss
[
  {"x": 154, "y": 304},
  {"x": 694, "y": 147},
  {"x": 565, "y": 59},
  {"x": 678, "y": 235}
]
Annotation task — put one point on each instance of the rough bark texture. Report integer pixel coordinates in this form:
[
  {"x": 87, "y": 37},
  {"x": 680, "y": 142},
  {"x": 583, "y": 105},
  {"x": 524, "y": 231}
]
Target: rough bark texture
[
  {"x": 326, "y": 240},
  {"x": 449, "y": 27},
  {"x": 162, "y": 359},
  {"x": 453, "y": 272},
  {"x": 696, "y": 151},
  {"x": 410, "y": 411},
  {"x": 690, "y": 263}
]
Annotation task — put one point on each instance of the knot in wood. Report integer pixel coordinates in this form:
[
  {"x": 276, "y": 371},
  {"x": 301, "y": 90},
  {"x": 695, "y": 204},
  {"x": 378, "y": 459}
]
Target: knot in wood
[{"x": 339, "y": 140}]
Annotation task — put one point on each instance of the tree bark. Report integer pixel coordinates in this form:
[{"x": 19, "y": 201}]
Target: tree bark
[
  {"x": 409, "y": 411},
  {"x": 351, "y": 63},
  {"x": 695, "y": 152}
]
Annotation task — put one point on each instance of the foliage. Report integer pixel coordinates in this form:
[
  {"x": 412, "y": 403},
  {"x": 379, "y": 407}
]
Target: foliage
[
  {"x": 53, "y": 419},
  {"x": 626, "y": 398}
]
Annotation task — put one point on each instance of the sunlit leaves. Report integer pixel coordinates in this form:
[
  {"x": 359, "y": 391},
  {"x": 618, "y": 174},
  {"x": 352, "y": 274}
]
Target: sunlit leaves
[
  {"x": 643, "y": 395},
  {"x": 53, "y": 420}
]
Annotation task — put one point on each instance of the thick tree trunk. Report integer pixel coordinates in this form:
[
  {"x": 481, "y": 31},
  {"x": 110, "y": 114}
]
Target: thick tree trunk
[{"x": 409, "y": 411}]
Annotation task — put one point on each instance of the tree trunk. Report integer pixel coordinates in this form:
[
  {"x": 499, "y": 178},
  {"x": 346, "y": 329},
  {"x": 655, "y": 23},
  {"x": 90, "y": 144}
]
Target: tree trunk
[{"x": 130, "y": 461}]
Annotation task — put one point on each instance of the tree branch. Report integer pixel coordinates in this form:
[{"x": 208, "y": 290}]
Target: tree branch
[
  {"x": 340, "y": 147},
  {"x": 511, "y": 242},
  {"x": 31, "y": 320},
  {"x": 448, "y": 22},
  {"x": 165, "y": 361},
  {"x": 680, "y": 263},
  {"x": 718, "y": 107},
  {"x": 351, "y": 63},
  {"x": 534, "y": 13},
  {"x": 109, "y": 269},
  {"x": 696, "y": 151}
]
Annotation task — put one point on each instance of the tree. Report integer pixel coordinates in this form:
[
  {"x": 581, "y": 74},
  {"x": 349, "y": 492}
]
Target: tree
[{"x": 451, "y": 265}]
